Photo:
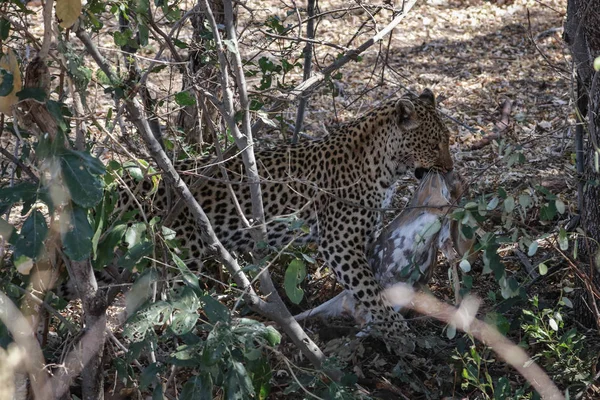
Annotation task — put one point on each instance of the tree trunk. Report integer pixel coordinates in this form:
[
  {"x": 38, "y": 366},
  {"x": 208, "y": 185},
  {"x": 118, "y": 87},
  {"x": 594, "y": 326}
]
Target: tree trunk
[
  {"x": 200, "y": 71},
  {"x": 582, "y": 33}
]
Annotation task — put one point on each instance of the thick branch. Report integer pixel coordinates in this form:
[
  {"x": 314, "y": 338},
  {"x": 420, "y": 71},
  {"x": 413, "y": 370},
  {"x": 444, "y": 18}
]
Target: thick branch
[
  {"x": 94, "y": 307},
  {"x": 244, "y": 140}
]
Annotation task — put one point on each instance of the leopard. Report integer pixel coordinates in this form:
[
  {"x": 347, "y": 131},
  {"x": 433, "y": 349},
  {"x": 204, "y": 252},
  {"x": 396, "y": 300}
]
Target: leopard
[
  {"x": 335, "y": 185},
  {"x": 404, "y": 255}
]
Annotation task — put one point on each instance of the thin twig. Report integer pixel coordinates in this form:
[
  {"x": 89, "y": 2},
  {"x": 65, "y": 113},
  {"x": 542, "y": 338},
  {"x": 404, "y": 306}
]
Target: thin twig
[
  {"x": 308, "y": 40},
  {"x": 19, "y": 164},
  {"x": 70, "y": 327}
]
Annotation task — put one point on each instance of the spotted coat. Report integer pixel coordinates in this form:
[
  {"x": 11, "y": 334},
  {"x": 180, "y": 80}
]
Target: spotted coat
[{"x": 336, "y": 185}]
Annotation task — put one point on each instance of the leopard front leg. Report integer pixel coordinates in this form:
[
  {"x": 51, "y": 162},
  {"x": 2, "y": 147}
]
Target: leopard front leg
[{"x": 343, "y": 248}]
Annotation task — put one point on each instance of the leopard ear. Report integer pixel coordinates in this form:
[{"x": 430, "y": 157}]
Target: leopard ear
[
  {"x": 406, "y": 115},
  {"x": 428, "y": 98}
]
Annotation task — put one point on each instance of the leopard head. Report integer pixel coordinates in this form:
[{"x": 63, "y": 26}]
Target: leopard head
[{"x": 424, "y": 139}]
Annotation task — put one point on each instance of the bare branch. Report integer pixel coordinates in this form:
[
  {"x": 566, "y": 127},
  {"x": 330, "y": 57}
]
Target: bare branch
[
  {"x": 47, "y": 30},
  {"x": 310, "y": 32},
  {"x": 23, "y": 335}
]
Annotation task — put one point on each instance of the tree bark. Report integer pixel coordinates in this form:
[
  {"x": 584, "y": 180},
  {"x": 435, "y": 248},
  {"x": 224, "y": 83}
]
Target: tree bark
[
  {"x": 200, "y": 72},
  {"x": 582, "y": 34}
]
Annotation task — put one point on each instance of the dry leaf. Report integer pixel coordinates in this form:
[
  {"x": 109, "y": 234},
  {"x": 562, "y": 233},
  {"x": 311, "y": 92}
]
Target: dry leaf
[
  {"x": 68, "y": 11},
  {"x": 9, "y": 63}
]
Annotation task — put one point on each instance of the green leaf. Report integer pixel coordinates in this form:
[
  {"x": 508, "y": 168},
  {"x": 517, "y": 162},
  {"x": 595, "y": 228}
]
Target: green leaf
[
  {"x": 76, "y": 233},
  {"x": 261, "y": 374},
  {"x": 509, "y": 204},
  {"x": 499, "y": 321},
  {"x": 430, "y": 229},
  {"x": 30, "y": 241},
  {"x": 135, "y": 234},
  {"x": 137, "y": 169},
  {"x": 230, "y": 45},
  {"x": 106, "y": 248},
  {"x": 143, "y": 34},
  {"x": 98, "y": 227},
  {"x": 183, "y": 322},
  {"x": 86, "y": 189},
  {"x": 238, "y": 384},
  {"x": 563, "y": 240},
  {"x": 188, "y": 276},
  {"x": 272, "y": 336},
  {"x": 135, "y": 254},
  {"x": 186, "y": 356},
  {"x": 23, "y": 264},
  {"x": 214, "y": 310},
  {"x": 38, "y": 94},
  {"x": 597, "y": 63},
  {"x": 493, "y": 203},
  {"x": 6, "y": 87},
  {"x": 553, "y": 324},
  {"x": 532, "y": 248},
  {"x": 148, "y": 375},
  {"x": 451, "y": 332},
  {"x": 57, "y": 111},
  {"x": 122, "y": 38},
  {"x": 185, "y": 99},
  {"x": 158, "y": 394},
  {"x": 90, "y": 162},
  {"x": 543, "y": 268},
  {"x": 567, "y": 302},
  {"x": 548, "y": 211},
  {"x": 168, "y": 233},
  {"x": 294, "y": 275},
  {"x": 465, "y": 265},
  {"x": 560, "y": 206},
  {"x": 4, "y": 28},
  {"x": 143, "y": 6},
  {"x": 180, "y": 44},
  {"x": 145, "y": 319},
  {"x": 524, "y": 200},
  {"x": 198, "y": 387},
  {"x": 471, "y": 205},
  {"x": 10, "y": 195},
  {"x": 7, "y": 231}
]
